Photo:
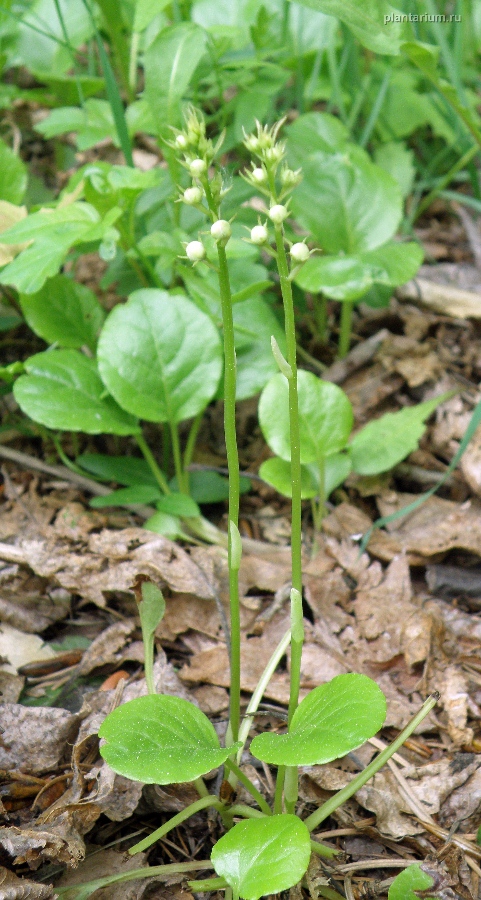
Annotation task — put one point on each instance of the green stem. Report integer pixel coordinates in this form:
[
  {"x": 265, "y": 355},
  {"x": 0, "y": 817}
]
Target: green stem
[
  {"x": 347, "y": 307},
  {"x": 247, "y": 812},
  {"x": 190, "y": 445},
  {"x": 203, "y": 803},
  {"x": 208, "y": 884},
  {"x": 134, "y": 53},
  {"x": 261, "y": 687},
  {"x": 179, "y": 472},
  {"x": 338, "y": 799},
  {"x": 149, "y": 458},
  {"x": 145, "y": 872},
  {"x": 247, "y": 783},
  {"x": 458, "y": 166},
  {"x": 280, "y": 778}
]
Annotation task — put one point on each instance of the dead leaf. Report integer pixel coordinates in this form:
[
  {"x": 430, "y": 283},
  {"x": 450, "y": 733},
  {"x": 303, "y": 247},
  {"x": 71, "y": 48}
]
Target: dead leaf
[
  {"x": 60, "y": 842},
  {"x": 103, "y": 863},
  {"x": 454, "y": 698},
  {"x": 14, "y": 888},
  {"x": 105, "y": 648},
  {"x": 17, "y": 649},
  {"x": 34, "y": 739}
]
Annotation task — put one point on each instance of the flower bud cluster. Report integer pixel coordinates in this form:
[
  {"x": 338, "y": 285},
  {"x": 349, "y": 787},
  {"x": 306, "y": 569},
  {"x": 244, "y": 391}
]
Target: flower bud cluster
[{"x": 272, "y": 177}]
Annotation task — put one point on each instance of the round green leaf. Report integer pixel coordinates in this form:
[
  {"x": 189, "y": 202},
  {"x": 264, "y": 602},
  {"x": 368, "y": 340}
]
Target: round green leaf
[
  {"x": 254, "y": 324},
  {"x": 338, "y": 277},
  {"x": 63, "y": 390},
  {"x": 160, "y": 356},
  {"x": 332, "y": 720},
  {"x": 160, "y": 739},
  {"x": 178, "y": 505},
  {"x": 64, "y": 312},
  {"x": 325, "y": 415},
  {"x": 358, "y": 205},
  {"x": 315, "y": 132},
  {"x": 411, "y": 880},
  {"x": 263, "y": 856},
  {"x": 277, "y": 472}
]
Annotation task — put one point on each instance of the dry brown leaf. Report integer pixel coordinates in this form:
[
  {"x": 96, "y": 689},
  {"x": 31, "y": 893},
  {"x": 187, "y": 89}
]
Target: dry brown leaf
[
  {"x": 105, "y": 648},
  {"x": 14, "y": 888},
  {"x": 59, "y": 842},
  {"x": 34, "y": 739},
  {"x": 17, "y": 649},
  {"x": 32, "y": 614},
  {"x": 455, "y": 700},
  {"x": 102, "y": 863},
  {"x": 415, "y": 361}
]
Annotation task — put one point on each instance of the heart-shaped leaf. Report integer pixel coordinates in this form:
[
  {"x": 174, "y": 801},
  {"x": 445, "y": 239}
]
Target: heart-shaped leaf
[
  {"x": 382, "y": 444},
  {"x": 332, "y": 720},
  {"x": 63, "y": 390},
  {"x": 277, "y": 472},
  {"x": 160, "y": 739},
  {"x": 263, "y": 856},
  {"x": 160, "y": 356},
  {"x": 325, "y": 417}
]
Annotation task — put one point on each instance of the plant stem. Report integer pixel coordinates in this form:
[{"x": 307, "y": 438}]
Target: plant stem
[
  {"x": 146, "y": 872},
  {"x": 203, "y": 803},
  {"x": 458, "y": 166},
  {"x": 280, "y": 778},
  {"x": 296, "y": 503},
  {"x": 347, "y": 307},
  {"x": 247, "y": 783},
  {"x": 189, "y": 447},
  {"x": 149, "y": 458},
  {"x": 338, "y": 799},
  {"x": 179, "y": 472},
  {"x": 261, "y": 686}
]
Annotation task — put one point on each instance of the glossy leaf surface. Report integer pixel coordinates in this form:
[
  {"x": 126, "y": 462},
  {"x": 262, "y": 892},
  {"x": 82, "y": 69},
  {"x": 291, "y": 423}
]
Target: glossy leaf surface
[
  {"x": 160, "y": 739},
  {"x": 332, "y": 720},
  {"x": 409, "y": 882},
  {"x": 263, "y": 856},
  {"x": 64, "y": 312}
]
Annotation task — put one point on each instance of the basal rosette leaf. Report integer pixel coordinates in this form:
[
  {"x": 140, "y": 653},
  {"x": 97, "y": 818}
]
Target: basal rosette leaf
[
  {"x": 332, "y": 720},
  {"x": 263, "y": 856},
  {"x": 411, "y": 884},
  {"x": 160, "y": 739}
]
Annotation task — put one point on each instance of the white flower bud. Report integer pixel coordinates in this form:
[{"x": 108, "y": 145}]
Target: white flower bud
[
  {"x": 221, "y": 230},
  {"x": 258, "y": 175},
  {"x": 259, "y": 234},
  {"x": 274, "y": 154},
  {"x": 195, "y": 251},
  {"x": 197, "y": 167},
  {"x": 192, "y": 196},
  {"x": 278, "y": 213},
  {"x": 181, "y": 141},
  {"x": 299, "y": 252}
]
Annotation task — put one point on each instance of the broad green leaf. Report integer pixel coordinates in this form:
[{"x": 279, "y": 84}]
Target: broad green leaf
[
  {"x": 178, "y": 505},
  {"x": 263, "y": 856},
  {"x": 367, "y": 21},
  {"x": 169, "y": 64},
  {"x": 396, "y": 159},
  {"x": 145, "y": 11},
  {"x": 13, "y": 175},
  {"x": 161, "y": 740},
  {"x": 65, "y": 87},
  {"x": 277, "y": 473},
  {"x": 64, "y": 312},
  {"x": 160, "y": 356},
  {"x": 315, "y": 132},
  {"x": 358, "y": 205},
  {"x": 384, "y": 443},
  {"x": 332, "y": 720},
  {"x": 52, "y": 233},
  {"x": 128, "y": 496},
  {"x": 167, "y": 525},
  {"x": 338, "y": 277},
  {"x": 92, "y": 123},
  {"x": 10, "y": 214},
  {"x": 410, "y": 884},
  {"x": 394, "y": 263},
  {"x": 325, "y": 417},
  {"x": 336, "y": 470},
  {"x": 41, "y": 53},
  {"x": 128, "y": 470},
  {"x": 63, "y": 390}
]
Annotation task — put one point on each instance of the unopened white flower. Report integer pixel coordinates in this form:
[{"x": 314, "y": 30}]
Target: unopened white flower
[
  {"x": 258, "y": 175},
  {"x": 274, "y": 154},
  {"x": 197, "y": 167},
  {"x": 299, "y": 252},
  {"x": 195, "y": 251},
  {"x": 259, "y": 234},
  {"x": 278, "y": 213},
  {"x": 221, "y": 230},
  {"x": 181, "y": 141},
  {"x": 192, "y": 196}
]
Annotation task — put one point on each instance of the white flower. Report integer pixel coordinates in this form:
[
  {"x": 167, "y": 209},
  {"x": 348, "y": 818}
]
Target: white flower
[
  {"x": 258, "y": 175},
  {"x": 299, "y": 252},
  {"x": 192, "y": 196},
  {"x": 197, "y": 167},
  {"x": 278, "y": 213},
  {"x": 195, "y": 251},
  {"x": 221, "y": 230},
  {"x": 181, "y": 141},
  {"x": 259, "y": 234}
]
